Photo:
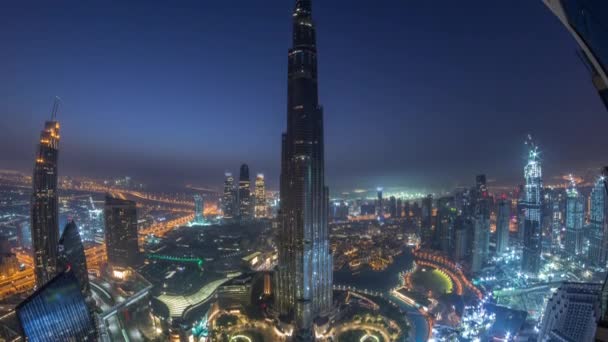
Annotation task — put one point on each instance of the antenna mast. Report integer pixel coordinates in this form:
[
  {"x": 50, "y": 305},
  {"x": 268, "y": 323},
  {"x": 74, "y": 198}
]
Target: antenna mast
[{"x": 55, "y": 108}]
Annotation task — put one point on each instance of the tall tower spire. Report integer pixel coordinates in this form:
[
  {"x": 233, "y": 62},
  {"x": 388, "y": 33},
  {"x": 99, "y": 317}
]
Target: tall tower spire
[{"x": 305, "y": 268}]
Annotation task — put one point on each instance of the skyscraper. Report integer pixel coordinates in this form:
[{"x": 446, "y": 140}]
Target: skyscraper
[
  {"x": 261, "y": 209},
  {"x": 598, "y": 227},
  {"x": 57, "y": 311},
  {"x": 575, "y": 217},
  {"x": 245, "y": 193},
  {"x": 585, "y": 19},
  {"x": 304, "y": 273},
  {"x": 229, "y": 198},
  {"x": 446, "y": 216},
  {"x": 532, "y": 205},
  {"x": 399, "y": 207},
  {"x": 121, "y": 231},
  {"x": 380, "y": 203},
  {"x": 44, "y": 209},
  {"x": 502, "y": 226},
  {"x": 480, "y": 251},
  {"x": 199, "y": 208},
  {"x": 426, "y": 222},
  {"x": 72, "y": 257},
  {"x": 392, "y": 206}
]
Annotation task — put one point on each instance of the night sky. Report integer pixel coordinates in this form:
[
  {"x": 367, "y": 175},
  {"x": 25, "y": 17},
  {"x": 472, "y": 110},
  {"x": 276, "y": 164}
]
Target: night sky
[{"x": 423, "y": 94}]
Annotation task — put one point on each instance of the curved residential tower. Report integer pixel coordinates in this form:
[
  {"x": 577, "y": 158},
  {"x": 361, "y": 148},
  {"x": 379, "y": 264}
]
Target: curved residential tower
[{"x": 304, "y": 274}]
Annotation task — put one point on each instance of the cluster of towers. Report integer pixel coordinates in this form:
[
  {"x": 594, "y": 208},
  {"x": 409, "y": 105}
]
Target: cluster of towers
[{"x": 238, "y": 201}]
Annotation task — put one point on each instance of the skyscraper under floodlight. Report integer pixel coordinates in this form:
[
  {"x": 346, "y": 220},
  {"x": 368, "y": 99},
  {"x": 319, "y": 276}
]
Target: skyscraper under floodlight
[
  {"x": 502, "y": 226},
  {"x": 245, "y": 193},
  {"x": 229, "y": 198},
  {"x": 598, "y": 230},
  {"x": 304, "y": 274},
  {"x": 261, "y": 209},
  {"x": 44, "y": 209},
  {"x": 532, "y": 204}
]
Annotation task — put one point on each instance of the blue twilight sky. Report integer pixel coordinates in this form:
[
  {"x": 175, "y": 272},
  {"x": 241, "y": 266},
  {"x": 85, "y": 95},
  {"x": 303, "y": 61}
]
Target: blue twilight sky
[{"x": 423, "y": 94}]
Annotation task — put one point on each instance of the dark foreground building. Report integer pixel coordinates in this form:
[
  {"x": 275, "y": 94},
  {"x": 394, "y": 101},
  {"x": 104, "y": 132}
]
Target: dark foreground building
[
  {"x": 586, "y": 21},
  {"x": 304, "y": 274},
  {"x": 71, "y": 256},
  {"x": 57, "y": 312},
  {"x": 121, "y": 231}
]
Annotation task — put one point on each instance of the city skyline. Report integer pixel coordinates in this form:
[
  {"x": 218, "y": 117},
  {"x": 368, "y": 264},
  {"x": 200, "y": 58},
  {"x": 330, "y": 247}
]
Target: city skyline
[
  {"x": 467, "y": 202},
  {"x": 391, "y": 106}
]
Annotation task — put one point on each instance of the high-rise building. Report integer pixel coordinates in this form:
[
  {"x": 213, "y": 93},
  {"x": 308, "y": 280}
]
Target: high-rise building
[
  {"x": 575, "y": 218},
  {"x": 44, "y": 207},
  {"x": 380, "y": 203},
  {"x": 72, "y": 257},
  {"x": 121, "y": 231},
  {"x": 229, "y": 198},
  {"x": 572, "y": 313},
  {"x": 480, "y": 251},
  {"x": 598, "y": 225},
  {"x": 502, "y": 225},
  {"x": 426, "y": 222},
  {"x": 199, "y": 209},
  {"x": 392, "y": 206},
  {"x": 245, "y": 194},
  {"x": 399, "y": 207},
  {"x": 557, "y": 219},
  {"x": 481, "y": 185},
  {"x": 446, "y": 216},
  {"x": 462, "y": 237},
  {"x": 304, "y": 273},
  {"x": 585, "y": 19},
  {"x": 57, "y": 311},
  {"x": 532, "y": 205},
  {"x": 261, "y": 208}
]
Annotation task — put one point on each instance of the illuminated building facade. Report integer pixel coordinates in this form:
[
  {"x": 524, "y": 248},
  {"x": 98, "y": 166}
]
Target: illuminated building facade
[
  {"x": 261, "y": 208},
  {"x": 305, "y": 264},
  {"x": 532, "y": 204},
  {"x": 598, "y": 225},
  {"x": 575, "y": 218},
  {"x": 72, "y": 257},
  {"x": 229, "y": 197},
  {"x": 585, "y": 19},
  {"x": 44, "y": 207},
  {"x": 245, "y": 206},
  {"x": 199, "y": 208},
  {"x": 57, "y": 312},
  {"x": 121, "y": 231},
  {"x": 502, "y": 226}
]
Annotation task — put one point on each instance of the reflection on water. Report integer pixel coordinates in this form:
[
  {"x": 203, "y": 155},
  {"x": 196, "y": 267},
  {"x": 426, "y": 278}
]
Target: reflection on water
[{"x": 366, "y": 278}]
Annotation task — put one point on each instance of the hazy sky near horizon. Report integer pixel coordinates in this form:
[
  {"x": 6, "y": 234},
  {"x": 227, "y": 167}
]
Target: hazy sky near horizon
[{"x": 423, "y": 94}]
